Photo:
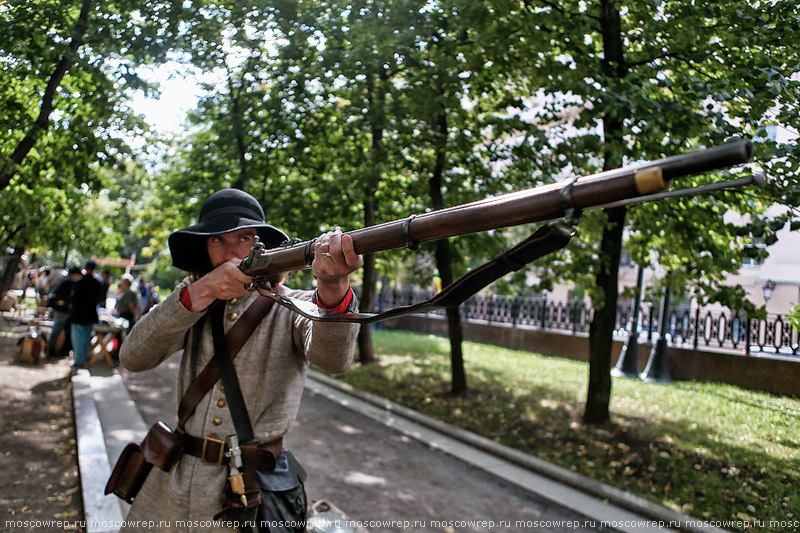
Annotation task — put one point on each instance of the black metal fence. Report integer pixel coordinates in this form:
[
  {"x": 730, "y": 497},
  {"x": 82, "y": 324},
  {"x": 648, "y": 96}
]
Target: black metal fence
[{"x": 688, "y": 327}]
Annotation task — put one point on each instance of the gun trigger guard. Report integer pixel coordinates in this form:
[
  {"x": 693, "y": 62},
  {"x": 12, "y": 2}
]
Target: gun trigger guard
[{"x": 260, "y": 284}]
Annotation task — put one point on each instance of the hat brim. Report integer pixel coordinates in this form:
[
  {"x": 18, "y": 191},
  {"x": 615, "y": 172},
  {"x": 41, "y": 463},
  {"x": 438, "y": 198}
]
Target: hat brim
[{"x": 188, "y": 246}]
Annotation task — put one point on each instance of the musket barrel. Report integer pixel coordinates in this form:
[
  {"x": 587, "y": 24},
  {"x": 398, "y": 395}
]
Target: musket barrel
[
  {"x": 731, "y": 153},
  {"x": 531, "y": 205}
]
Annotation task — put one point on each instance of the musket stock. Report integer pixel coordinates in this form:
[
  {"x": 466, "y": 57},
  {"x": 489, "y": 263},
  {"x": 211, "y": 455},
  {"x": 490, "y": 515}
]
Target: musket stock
[{"x": 537, "y": 204}]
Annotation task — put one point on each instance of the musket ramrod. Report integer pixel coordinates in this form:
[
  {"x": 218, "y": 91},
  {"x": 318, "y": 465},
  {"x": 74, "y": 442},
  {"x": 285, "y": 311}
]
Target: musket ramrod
[{"x": 536, "y": 204}]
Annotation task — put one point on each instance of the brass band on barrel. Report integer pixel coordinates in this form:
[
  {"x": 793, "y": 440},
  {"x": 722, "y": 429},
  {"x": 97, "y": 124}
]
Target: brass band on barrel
[{"x": 649, "y": 180}]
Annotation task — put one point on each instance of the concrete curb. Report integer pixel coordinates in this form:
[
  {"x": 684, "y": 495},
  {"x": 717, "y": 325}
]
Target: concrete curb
[
  {"x": 102, "y": 513},
  {"x": 618, "y": 497}
]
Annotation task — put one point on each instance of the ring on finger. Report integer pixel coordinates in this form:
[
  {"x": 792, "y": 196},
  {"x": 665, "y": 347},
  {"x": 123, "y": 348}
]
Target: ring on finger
[{"x": 325, "y": 254}]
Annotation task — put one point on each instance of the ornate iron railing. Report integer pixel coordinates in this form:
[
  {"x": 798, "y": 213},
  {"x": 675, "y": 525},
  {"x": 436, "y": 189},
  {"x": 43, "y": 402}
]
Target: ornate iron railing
[{"x": 696, "y": 328}]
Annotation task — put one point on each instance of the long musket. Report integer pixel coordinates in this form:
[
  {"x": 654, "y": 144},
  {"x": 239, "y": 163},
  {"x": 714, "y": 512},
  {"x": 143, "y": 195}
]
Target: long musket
[{"x": 611, "y": 188}]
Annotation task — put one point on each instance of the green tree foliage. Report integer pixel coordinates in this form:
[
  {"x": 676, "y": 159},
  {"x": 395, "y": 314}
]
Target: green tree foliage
[
  {"x": 68, "y": 70},
  {"x": 794, "y": 316},
  {"x": 336, "y": 69}
]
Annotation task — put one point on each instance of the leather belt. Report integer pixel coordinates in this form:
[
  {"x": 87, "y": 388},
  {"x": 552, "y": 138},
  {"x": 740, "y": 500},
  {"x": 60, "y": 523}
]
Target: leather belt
[{"x": 260, "y": 455}]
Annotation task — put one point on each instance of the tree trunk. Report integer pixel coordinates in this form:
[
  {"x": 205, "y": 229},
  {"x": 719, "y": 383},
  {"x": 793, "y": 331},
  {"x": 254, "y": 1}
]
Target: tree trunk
[
  {"x": 601, "y": 329},
  {"x": 238, "y": 132},
  {"x": 444, "y": 262},
  {"x": 366, "y": 350},
  {"x": 376, "y": 92},
  {"x": 10, "y": 167},
  {"x": 10, "y": 270},
  {"x": 454, "y": 327}
]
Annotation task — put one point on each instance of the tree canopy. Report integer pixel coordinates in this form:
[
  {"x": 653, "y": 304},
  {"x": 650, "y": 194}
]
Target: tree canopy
[{"x": 69, "y": 70}]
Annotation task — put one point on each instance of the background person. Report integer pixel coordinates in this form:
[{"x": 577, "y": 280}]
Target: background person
[
  {"x": 59, "y": 303},
  {"x": 127, "y": 305},
  {"x": 87, "y": 293}
]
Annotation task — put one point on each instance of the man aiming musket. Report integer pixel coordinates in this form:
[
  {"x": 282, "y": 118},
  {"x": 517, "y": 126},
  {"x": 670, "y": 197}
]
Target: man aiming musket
[
  {"x": 241, "y": 376},
  {"x": 226, "y": 460}
]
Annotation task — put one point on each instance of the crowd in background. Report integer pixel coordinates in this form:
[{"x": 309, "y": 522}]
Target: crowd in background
[{"x": 78, "y": 298}]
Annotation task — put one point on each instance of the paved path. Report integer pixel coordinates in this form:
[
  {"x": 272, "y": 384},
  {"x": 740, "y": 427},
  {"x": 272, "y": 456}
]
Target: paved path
[{"x": 386, "y": 470}]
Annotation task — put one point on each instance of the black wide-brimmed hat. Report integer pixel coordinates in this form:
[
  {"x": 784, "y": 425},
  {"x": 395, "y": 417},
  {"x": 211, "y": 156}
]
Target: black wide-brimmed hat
[{"x": 224, "y": 211}]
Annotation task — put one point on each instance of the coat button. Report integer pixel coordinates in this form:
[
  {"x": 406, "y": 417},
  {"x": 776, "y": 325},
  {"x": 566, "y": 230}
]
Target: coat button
[
  {"x": 217, "y": 421},
  {"x": 232, "y": 301},
  {"x": 220, "y": 403},
  {"x": 233, "y": 316}
]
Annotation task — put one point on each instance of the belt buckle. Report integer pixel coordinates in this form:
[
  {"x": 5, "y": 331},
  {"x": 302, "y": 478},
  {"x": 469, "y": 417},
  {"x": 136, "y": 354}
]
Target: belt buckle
[{"x": 221, "y": 445}]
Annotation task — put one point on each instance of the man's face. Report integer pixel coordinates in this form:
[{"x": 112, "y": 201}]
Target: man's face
[{"x": 227, "y": 246}]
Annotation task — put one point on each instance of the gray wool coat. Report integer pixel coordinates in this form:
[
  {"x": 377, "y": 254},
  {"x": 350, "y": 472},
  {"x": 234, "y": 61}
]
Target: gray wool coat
[{"x": 271, "y": 368}]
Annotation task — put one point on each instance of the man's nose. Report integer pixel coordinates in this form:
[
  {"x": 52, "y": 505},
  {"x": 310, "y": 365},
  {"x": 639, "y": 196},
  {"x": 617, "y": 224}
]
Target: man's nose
[{"x": 231, "y": 251}]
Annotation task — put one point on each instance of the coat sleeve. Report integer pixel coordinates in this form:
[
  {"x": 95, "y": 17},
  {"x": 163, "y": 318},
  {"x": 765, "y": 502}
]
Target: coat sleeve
[
  {"x": 158, "y": 334},
  {"x": 329, "y": 345}
]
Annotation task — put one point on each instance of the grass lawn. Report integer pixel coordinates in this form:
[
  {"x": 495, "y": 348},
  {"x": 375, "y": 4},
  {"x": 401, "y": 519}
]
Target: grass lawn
[{"x": 712, "y": 451}]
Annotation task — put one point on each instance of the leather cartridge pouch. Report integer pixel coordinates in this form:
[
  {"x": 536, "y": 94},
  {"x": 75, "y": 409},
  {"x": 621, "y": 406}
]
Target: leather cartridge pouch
[
  {"x": 129, "y": 473},
  {"x": 161, "y": 447}
]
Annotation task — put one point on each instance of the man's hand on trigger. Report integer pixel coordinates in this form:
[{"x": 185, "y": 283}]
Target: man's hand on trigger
[
  {"x": 334, "y": 260},
  {"x": 223, "y": 283}
]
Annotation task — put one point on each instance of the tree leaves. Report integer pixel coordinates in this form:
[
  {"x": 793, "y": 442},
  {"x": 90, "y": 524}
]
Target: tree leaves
[{"x": 78, "y": 58}]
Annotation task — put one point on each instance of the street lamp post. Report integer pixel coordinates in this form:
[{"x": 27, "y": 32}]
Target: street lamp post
[
  {"x": 628, "y": 362},
  {"x": 657, "y": 368},
  {"x": 769, "y": 286}
]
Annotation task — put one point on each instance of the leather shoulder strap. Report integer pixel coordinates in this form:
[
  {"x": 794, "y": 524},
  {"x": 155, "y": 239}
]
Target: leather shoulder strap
[
  {"x": 236, "y": 336},
  {"x": 227, "y": 374}
]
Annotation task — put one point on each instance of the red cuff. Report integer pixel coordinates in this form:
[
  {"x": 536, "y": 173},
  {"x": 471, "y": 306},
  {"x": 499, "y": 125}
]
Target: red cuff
[
  {"x": 186, "y": 300},
  {"x": 343, "y": 305}
]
